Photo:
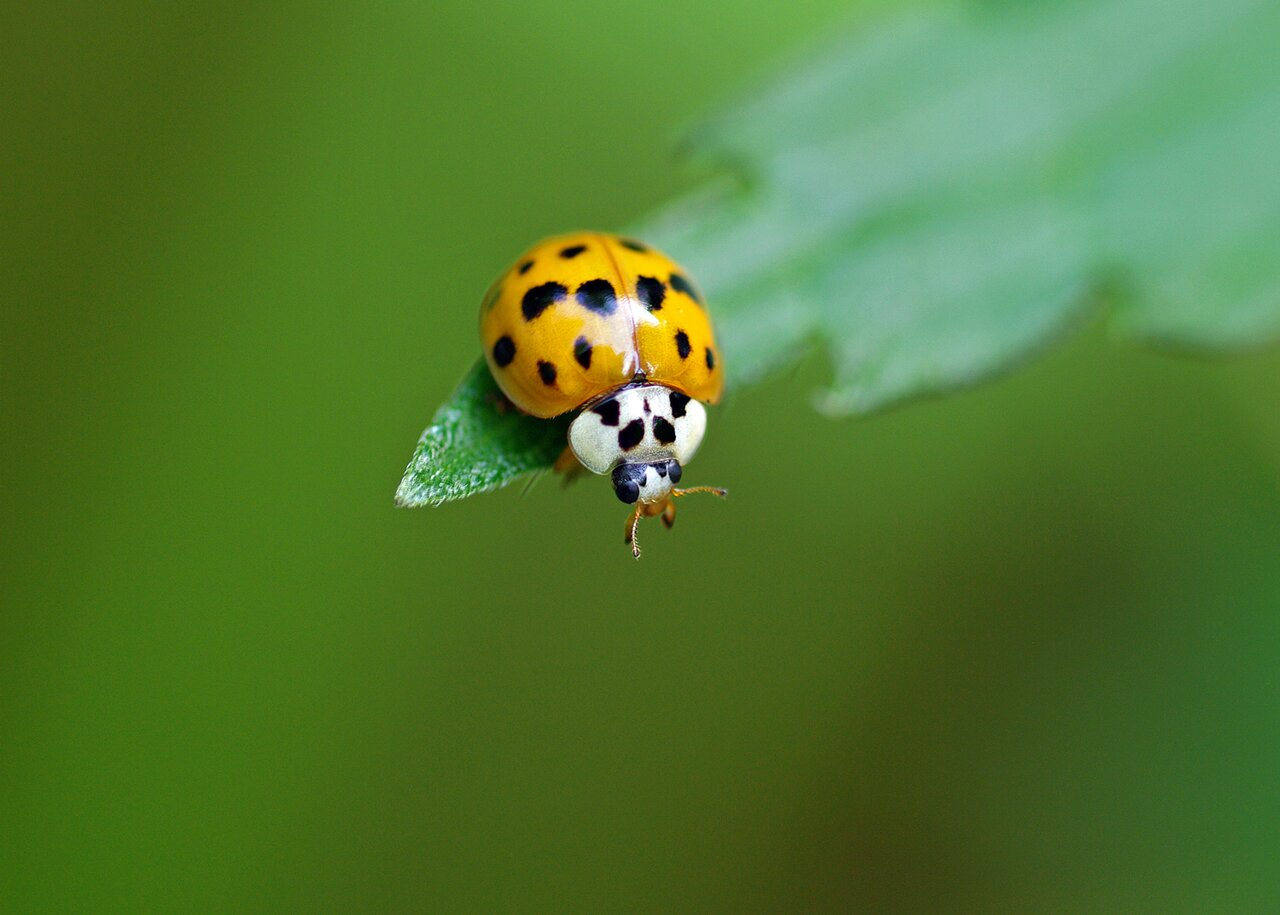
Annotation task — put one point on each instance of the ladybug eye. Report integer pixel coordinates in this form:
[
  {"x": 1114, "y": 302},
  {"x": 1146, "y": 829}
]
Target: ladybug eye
[
  {"x": 626, "y": 482},
  {"x": 674, "y": 471}
]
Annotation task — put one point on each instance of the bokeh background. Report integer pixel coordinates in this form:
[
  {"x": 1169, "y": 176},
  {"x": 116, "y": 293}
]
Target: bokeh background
[{"x": 1012, "y": 650}]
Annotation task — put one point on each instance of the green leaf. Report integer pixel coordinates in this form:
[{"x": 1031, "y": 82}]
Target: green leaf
[
  {"x": 477, "y": 442},
  {"x": 938, "y": 197}
]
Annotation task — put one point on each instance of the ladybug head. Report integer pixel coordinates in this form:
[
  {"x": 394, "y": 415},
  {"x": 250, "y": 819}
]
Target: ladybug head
[{"x": 649, "y": 482}]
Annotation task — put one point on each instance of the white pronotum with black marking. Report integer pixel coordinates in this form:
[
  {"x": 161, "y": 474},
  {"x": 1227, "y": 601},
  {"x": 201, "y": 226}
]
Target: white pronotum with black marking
[{"x": 643, "y": 434}]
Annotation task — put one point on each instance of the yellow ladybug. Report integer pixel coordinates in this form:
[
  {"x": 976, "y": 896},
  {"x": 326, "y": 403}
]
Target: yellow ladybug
[{"x": 609, "y": 326}]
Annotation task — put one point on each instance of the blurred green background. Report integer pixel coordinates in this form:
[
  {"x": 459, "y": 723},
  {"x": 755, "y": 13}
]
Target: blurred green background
[{"x": 1014, "y": 650}]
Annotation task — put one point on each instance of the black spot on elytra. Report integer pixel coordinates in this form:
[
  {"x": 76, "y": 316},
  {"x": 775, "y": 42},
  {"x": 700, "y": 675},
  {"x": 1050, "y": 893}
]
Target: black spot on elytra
[
  {"x": 524, "y": 268},
  {"x": 547, "y": 372},
  {"x": 678, "y": 403},
  {"x": 597, "y": 295},
  {"x": 711, "y": 359},
  {"x": 504, "y": 351},
  {"x": 540, "y": 298},
  {"x": 632, "y": 245},
  {"x": 682, "y": 344},
  {"x": 651, "y": 292},
  {"x": 663, "y": 431},
  {"x": 572, "y": 251},
  {"x": 646, "y": 406},
  {"x": 680, "y": 283},
  {"x": 582, "y": 352},
  {"x": 631, "y": 435},
  {"x": 608, "y": 412}
]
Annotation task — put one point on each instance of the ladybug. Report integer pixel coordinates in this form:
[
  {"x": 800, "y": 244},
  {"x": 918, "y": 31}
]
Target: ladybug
[{"x": 616, "y": 330}]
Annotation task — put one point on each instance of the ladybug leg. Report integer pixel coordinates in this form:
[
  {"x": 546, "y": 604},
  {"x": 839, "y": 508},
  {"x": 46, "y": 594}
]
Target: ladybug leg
[
  {"x": 568, "y": 466},
  {"x": 669, "y": 514}
]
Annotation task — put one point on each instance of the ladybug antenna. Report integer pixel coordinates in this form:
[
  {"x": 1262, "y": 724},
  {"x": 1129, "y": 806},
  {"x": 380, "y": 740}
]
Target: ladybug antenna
[
  {"x": 714, "y": 490},
  {"x": 632, "y": 524},
  {"x": 665, "y": 508}
]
